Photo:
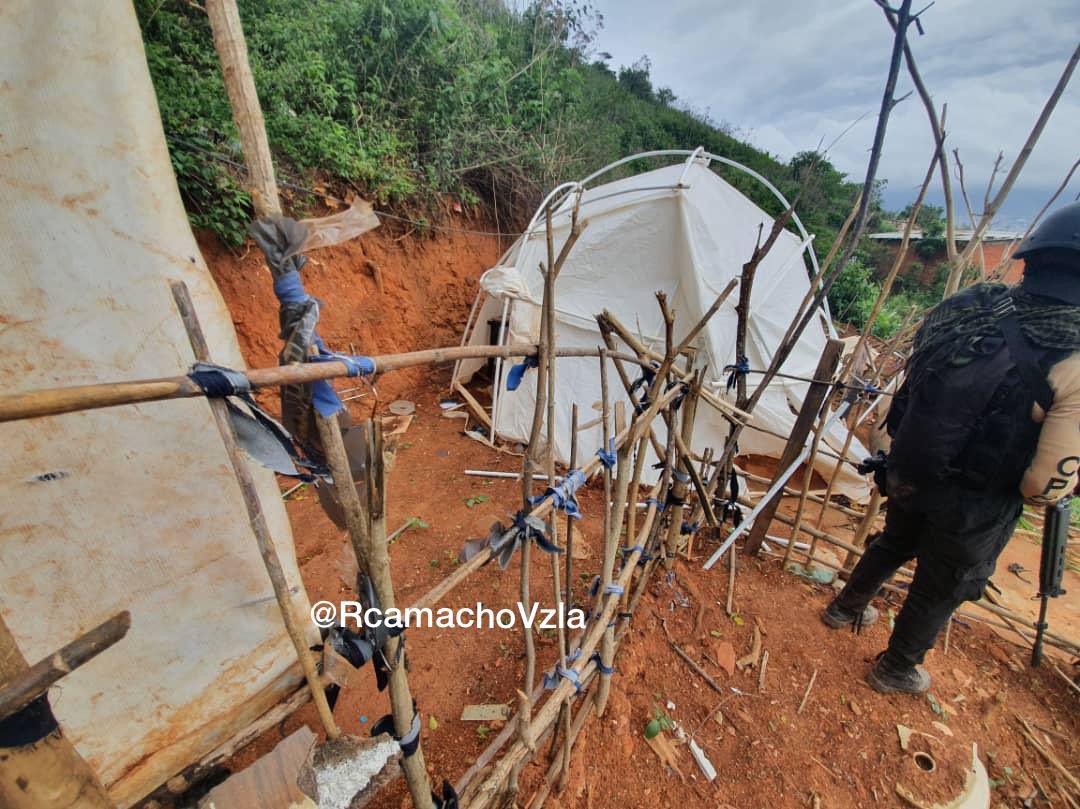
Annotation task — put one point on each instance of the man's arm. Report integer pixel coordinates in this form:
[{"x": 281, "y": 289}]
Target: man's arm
[{"x": 1053, "y": 471}]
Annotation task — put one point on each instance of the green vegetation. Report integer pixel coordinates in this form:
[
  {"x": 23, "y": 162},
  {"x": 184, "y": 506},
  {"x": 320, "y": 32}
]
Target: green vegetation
[
  {"x": 413, "y": 101},
  {"x": 418, "y": 103}
]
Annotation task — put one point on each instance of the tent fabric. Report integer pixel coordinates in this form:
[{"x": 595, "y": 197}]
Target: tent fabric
[
  {"x": 686, "y": 232},
  {"x": 132, "y": 507}
]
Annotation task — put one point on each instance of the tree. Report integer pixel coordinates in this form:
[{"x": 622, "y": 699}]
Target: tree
[{"x": 636, "y": 79}]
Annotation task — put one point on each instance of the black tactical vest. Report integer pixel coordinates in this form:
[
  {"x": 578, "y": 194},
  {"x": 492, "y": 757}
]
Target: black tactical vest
[{"x": 963, "y": 418}]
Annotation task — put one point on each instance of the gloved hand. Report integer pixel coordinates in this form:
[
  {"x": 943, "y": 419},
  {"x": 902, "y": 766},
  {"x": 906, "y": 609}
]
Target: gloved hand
[{"x": 876, "y": 465}]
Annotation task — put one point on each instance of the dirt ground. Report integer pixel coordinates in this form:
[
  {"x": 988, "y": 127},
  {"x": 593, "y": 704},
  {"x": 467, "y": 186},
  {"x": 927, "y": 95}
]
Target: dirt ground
[{"x": 843, "y": 747}]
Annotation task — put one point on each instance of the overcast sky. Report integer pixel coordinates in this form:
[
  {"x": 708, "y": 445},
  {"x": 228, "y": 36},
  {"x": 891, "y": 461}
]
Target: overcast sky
[{"x": 791, "y": 73}]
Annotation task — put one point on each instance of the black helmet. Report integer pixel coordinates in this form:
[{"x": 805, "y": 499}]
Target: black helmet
[{"x": 1061, "y": 229}]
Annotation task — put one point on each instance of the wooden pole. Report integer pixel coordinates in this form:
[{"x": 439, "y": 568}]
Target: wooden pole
[
  {"x": 865, "y": 526},
  {"x": 18, "y": 692},
  {"x": 569, "y": 543},
  {"x": 605, "y": 416},
  {"x": 48, "y": 773},
  {"x": 56, "y": 401},
  {"x": 681, "y": 486},
  {"x": 815, "y": 397},
  {"x": 247, "y": 114},
  {"x": 808, "y": 478},
  {"x": 564, "y": 647},
  {"x": 365, "y": 519},
  {"x": 256, "y": 517}
]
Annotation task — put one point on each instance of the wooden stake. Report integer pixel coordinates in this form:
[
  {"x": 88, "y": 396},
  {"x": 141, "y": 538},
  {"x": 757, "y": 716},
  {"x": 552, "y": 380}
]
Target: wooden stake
[
  {"x": 866, "y": 525},
  {"x": 247, "y": 114},
  {"x": 808, "y": 478},
  {"x": 49, "y": 773},
  {"x": 366, "y": 521},
  {"x": 681, "y": 486},
  {"x": 256, "y": 517},
  {"x": 815, "y": 397}
]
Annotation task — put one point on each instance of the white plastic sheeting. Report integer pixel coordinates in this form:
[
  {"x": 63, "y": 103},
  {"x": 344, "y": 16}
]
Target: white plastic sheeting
[
  {"x": 684, "y": 231},
  {"x": 131, "y": 507}
]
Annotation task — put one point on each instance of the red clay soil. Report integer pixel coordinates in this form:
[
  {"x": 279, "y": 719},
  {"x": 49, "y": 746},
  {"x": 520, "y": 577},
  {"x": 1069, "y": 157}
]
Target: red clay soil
[{"x": 843, "y": 747}]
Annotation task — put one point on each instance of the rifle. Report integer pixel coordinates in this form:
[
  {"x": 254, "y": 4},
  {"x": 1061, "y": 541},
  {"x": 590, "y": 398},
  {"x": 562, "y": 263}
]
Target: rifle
[{"x": 1051, "y": 565}]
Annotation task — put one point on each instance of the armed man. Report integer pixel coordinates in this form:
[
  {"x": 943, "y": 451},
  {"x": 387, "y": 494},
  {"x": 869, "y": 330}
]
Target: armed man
[{"x": 988, "y": 417}]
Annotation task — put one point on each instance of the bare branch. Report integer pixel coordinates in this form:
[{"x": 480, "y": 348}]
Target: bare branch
[{"x": 957, "y": 269}]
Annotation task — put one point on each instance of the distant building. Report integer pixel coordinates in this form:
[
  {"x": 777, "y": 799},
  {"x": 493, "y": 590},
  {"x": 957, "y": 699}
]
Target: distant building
[{"x": 997, "y": 246}]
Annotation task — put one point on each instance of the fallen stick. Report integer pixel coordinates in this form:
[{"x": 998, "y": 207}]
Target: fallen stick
[
  {"x": 1064, "y": 676},
  {"x": 689, "y": 660},
  {"x": 750, "y": 659},
  {"x": 806, "y": 696},
  {"x": 1029, "y": 734},
  {"x": 761, "y": 673}
]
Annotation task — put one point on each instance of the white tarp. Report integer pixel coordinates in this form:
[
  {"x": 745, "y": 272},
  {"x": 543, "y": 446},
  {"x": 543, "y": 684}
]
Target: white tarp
[
  {"x": 647, "y": 233},
  {"x": 131, "y": 507}
]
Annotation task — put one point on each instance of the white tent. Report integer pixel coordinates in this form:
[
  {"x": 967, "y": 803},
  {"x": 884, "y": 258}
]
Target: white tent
[{"x": 682, "y": 230}]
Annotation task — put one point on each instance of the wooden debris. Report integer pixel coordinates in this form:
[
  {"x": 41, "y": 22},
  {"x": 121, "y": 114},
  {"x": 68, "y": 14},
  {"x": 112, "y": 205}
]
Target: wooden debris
[
  {"x": 492, "y": 712},
  {"x": 942, "y": 728},
  {"x": 1029, "y": 734},
  {"x": 661, "y": 745},
  {"x": 761, "y": 673},
  {"x": 474, "y": 406},
  {"x": 273, "y": 781},
  {"x": 904, "y": 733},
  {"x": 806, "y": 696},
  {"x": 750, "y": 660}
]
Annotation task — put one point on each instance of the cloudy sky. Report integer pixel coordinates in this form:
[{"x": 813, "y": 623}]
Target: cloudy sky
[{"x": 792, "y": 73}]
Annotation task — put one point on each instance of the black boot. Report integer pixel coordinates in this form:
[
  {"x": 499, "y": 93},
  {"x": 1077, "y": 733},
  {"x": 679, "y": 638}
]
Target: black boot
[
  {"x": 886, "y": 678},
  {"x": 838, "y": 617}
]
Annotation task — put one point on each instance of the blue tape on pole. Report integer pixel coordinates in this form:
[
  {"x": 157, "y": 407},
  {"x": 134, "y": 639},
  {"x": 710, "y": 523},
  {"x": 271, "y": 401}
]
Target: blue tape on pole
[
  {"x": 740, "y": 368},
  {"x": 600, "y": 667},
  {"x": 517, "y": 372},
  {"x": 289, "y": 289},
  {"x": 552, "y": 679},
  {"x": 564, "y": 495},
  {"x": 608, "y": 457}
]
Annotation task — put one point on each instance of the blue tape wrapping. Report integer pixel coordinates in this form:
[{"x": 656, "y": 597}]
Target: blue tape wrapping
[
  {"x": 740, "y": 368},
  {"x": 551, "y": 679},
  {"x": 689, "y": 527},
  {"x": 600, "y": 667},
  {"x": 611, "y": 589},
  {"x": 608, "y": 457},
  {"x": 517, "y": 372},
  {"x": 289, "y": 290},
  {"x": 565, "y": 494}
]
